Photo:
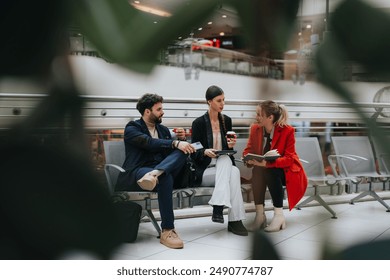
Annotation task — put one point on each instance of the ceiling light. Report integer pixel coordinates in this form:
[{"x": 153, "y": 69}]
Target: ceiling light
[
  {"x": 210, "y": 22},
  {"x": 308, "y": 26},
  {"x": 222, "y": 33},
  {"x": 149, "y": 10},
  {"x": 200, "y": 28},
  {"x": 224, "y": 16},
  {"x": 291, "y": 52}
]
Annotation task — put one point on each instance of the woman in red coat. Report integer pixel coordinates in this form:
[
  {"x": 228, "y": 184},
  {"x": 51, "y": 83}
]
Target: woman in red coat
[{"x": 284, "y": 171}]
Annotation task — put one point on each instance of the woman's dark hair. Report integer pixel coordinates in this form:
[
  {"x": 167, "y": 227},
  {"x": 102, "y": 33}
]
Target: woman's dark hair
[
  {"x": 213, "y": 91},
  {"x": 147, "y": 101}
]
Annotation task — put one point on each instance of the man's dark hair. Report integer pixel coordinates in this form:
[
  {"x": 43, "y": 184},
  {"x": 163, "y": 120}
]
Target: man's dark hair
[{"x": 147, "y": 101}]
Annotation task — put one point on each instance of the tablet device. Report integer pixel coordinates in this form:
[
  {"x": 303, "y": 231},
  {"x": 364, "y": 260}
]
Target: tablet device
[{"x": 225, "y": 152}]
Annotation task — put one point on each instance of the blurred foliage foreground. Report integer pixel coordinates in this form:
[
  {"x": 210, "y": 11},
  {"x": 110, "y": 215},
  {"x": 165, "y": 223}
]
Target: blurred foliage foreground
[{"x": 51, "y": 201}]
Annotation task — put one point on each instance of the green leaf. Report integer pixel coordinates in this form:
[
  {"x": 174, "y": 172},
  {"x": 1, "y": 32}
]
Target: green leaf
[
  {"x": 364, "y": 34},
  {"x": 351, "y": 40},
  {"x": 267, "y": 23}
]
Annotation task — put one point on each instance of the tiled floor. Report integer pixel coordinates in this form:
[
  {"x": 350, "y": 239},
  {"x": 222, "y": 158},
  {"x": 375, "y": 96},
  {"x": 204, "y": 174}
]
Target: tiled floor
[{"x": 308, "y": 231}]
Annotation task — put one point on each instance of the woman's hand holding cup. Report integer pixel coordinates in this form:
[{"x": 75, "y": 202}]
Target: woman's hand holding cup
[{"x": 231, "y": 138}]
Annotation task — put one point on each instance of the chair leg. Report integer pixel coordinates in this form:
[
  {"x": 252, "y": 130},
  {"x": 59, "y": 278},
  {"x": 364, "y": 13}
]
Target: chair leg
[
  {"x": 148, "y": 209},
  {"x": 320, "y": 201},
  {"x": 363, "y": 194},
  {"x": 374, "y": 195},
  {"x": 306, "y": 201},
  {"x": 154, "y": 222},
  {"x": 326, "y": 206},
  {"x": 380, "y": 200}
]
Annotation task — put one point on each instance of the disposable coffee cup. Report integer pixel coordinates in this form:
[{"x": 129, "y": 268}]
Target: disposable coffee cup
[
  {"x": 177, "y": 130},
  {"x": 231, "y": 135}
]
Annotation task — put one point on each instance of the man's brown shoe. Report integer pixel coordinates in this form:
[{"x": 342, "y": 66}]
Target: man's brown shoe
[
  {"x": 148, "y": 182},
  {"x": 170, "y": 239}
]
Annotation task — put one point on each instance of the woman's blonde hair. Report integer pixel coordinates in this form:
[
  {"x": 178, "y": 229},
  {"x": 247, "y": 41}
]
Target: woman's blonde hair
[{"x": 279, "y": 112}]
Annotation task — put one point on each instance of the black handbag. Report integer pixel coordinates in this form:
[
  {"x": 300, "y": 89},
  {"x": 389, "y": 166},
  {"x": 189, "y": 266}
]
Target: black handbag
[
  {"x": 129, "y": 216},
  {"x": 187, "y": 177}
]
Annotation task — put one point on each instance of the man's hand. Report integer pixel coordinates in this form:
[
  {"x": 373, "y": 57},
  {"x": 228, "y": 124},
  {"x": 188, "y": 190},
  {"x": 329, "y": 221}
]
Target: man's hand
[{"x": 186, "y": 147}]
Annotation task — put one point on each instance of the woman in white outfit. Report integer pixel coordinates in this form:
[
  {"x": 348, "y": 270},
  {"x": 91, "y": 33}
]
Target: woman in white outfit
[{"x": 219, "y": 171}]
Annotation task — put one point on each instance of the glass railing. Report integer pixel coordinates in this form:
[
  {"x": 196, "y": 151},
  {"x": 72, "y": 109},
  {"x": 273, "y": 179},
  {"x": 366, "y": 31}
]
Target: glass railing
[{"x": 197, "y": 56}]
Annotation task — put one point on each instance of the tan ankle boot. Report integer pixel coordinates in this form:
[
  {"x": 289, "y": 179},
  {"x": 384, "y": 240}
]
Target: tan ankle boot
[
  {"x": 260, "y": 220},
  {"x": 171, "y": 239},
  {"x": 278, "y": 221}
]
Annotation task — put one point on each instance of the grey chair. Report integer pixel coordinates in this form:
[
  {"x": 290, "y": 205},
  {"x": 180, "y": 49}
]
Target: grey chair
[
  {"x": 245, "y": 172},
  {"x": 355, "y": 158},
  {"x": 382, "y": 157},
  {"x": 114, "y": 152},
  {"x": 309, "y": 152}
]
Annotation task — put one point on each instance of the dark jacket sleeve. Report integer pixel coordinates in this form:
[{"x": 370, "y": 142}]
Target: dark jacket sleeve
[
  {"x": 199, "y": 134},
  {"x": 135, "y": 136}
]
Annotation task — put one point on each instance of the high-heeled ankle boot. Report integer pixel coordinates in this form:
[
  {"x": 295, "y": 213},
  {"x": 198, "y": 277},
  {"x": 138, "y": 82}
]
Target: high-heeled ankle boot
[
  {"x": 217, "y": 214},
  {"x": 278, "y": 221},
  {"x": 260, "y": 220}
]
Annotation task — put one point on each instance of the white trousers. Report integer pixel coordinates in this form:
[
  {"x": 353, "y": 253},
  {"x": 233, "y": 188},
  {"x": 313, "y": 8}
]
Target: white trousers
[{"x": 225, "y": 177}]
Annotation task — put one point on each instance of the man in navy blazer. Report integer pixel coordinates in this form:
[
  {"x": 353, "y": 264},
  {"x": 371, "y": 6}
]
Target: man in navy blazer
[{"x": 153, "y": 160}]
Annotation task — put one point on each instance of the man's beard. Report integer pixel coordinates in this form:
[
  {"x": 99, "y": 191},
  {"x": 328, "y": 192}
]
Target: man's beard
[{"x": 156, "y": 120}]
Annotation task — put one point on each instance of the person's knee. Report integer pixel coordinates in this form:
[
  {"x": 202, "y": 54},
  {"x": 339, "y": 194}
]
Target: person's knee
[
  {"x": 179, "y": 154},
  {"x": 224, "y": 160},
  {"x": 236, "y": 171}
]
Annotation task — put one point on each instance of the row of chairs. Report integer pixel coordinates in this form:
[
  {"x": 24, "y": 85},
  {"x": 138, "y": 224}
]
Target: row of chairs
[
  {"x": 352, "y": 163},
  {"x": 354, "y": 157}
]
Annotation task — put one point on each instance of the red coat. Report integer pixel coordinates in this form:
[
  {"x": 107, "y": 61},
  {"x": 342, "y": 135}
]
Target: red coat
[{"x": 284, "y": 141}]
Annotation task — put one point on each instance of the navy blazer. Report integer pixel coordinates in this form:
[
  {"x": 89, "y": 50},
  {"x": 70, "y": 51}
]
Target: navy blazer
[
  {"x": 202, "y": 132},
  {"x": 142, "y": 150}
]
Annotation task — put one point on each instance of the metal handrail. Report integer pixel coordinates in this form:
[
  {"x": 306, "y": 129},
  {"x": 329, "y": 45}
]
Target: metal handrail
[{"x": 105, "y": 110}]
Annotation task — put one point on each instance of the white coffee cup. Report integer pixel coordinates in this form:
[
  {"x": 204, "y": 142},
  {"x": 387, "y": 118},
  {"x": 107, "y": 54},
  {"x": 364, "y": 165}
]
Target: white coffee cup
[{"x": 231, "y": 135}]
